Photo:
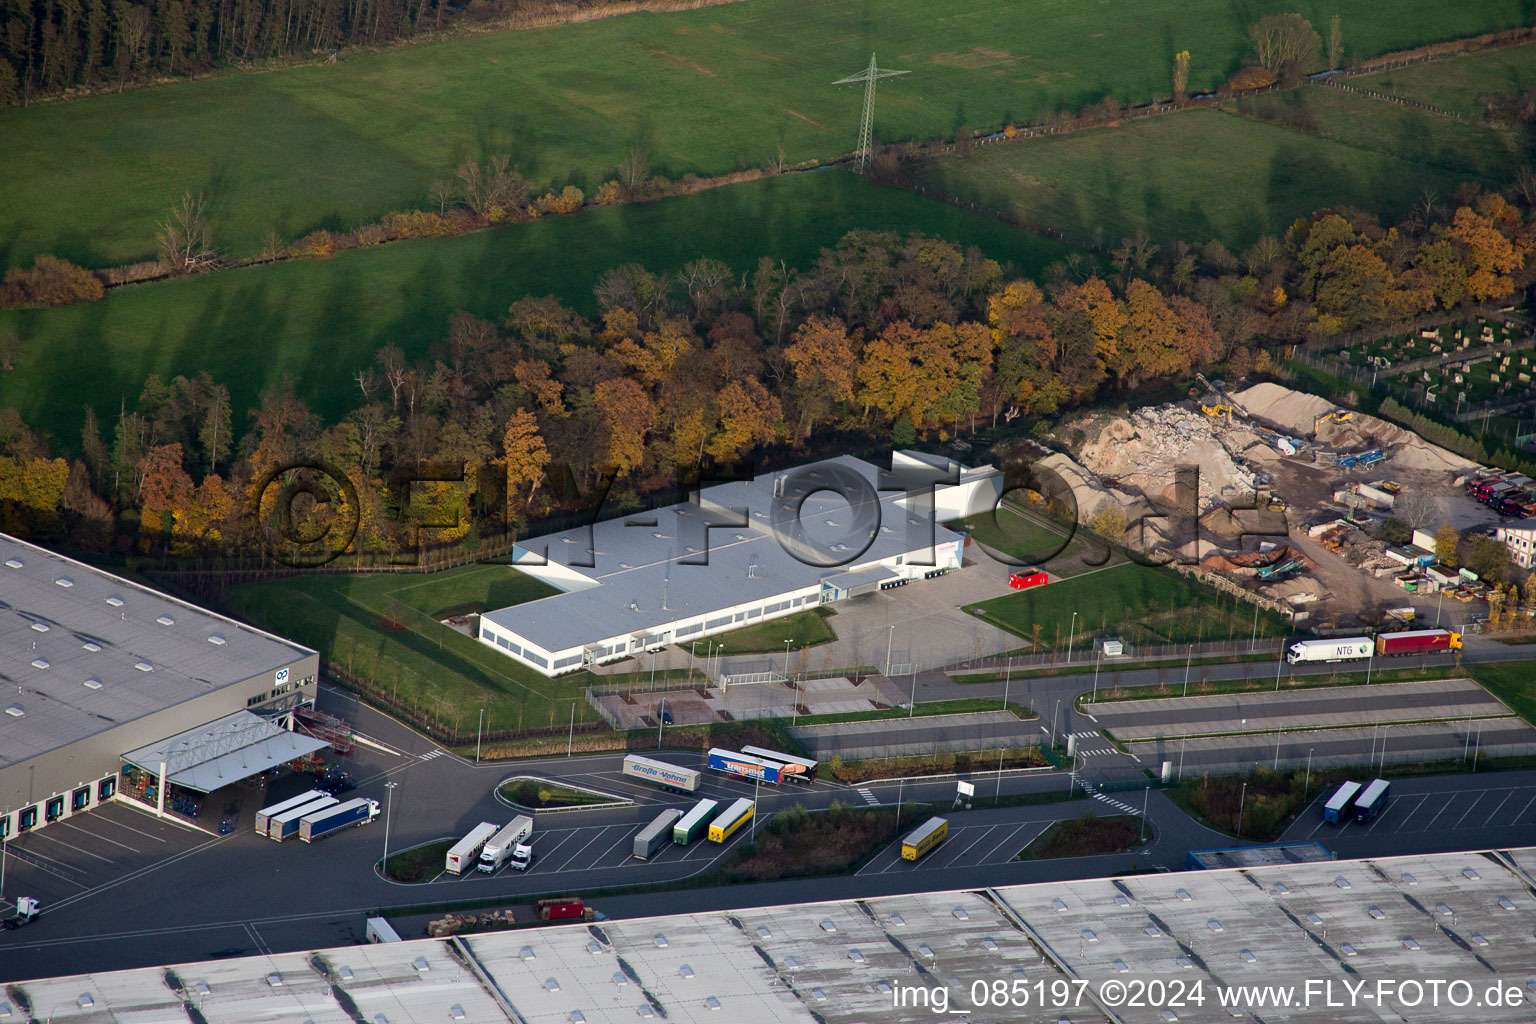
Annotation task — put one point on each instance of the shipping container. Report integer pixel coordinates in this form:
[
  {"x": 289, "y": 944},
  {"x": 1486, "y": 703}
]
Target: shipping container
[
  {"x": 1417, "y": 641},
  {"x": 1338, "y": 806},
  {"x": 794, "y": 769},
  {"x": 339, "y": 816},
  {"x": 1351, "y": 648},
  {"x": 1372, "y": 801},
  {"x": 928, "y": 835},
  {"x": 694, "y": 823},
  {"x": 265, "y": 815},
  {"x": 380, "y": 930},
  {"x": 745, "y": 765},
  {"x": 564, "y": 908},
  {"x": 286, "y": 825},
  {"x": 735, "y": 816},
  {"x": 655, "y": 835},
  {"x": 661, "y": 773},
  {"x": 467, "y": 850}
]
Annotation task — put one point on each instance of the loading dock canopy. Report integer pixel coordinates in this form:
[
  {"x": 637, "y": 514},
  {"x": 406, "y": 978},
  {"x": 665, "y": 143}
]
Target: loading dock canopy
[
  {"x": 221, "y": 752},
  {"x": 860, "y": 581}
]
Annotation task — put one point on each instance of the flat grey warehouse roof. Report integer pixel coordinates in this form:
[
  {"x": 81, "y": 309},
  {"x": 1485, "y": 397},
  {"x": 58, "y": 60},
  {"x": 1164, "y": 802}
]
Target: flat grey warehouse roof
[
  {"x": 83, "y": 651},
  {"x": 643, "y": 557}
]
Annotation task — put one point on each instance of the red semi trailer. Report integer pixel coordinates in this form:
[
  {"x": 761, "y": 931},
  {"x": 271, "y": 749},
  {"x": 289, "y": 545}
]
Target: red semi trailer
[{"x": 1417, "y": 641}]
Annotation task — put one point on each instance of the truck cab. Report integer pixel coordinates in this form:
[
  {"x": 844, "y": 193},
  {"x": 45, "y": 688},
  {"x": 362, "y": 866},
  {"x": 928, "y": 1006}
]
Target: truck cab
[{"x": 522, "y": 856}]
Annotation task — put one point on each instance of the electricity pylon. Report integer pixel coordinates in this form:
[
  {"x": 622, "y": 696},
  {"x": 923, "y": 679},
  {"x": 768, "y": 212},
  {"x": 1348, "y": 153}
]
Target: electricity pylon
[{"x": 868, "y": 76}]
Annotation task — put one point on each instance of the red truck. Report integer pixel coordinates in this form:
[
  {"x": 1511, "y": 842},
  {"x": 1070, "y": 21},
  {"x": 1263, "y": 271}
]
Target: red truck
[
  {"x": 567, "y": 908},
  {"x": 1417, "y": 641}
]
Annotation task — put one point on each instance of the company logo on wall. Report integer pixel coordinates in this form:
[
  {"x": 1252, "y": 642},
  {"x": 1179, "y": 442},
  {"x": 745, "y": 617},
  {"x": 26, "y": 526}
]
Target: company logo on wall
[{"x": 280, "y": 676}]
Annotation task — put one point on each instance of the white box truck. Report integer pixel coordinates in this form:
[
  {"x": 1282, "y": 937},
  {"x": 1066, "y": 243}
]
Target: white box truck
[
  {"x": 379, "y": 930},
  {"x": 503, "y": 845},
  {"x": 467, "y": 850},
  {"x": 1349, "y": 648}
]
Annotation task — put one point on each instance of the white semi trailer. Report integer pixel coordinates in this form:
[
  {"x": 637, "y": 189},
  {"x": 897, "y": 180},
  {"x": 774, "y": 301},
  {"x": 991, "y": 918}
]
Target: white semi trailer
[
  {"x": 1348, "y": 648},
  {"x": 507, "y": 845}
]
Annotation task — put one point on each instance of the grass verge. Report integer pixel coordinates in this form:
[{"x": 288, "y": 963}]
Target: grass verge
[
  {"x": 792, "y": 632},
  {"x": 419, "y": 863},
  {"x": 942, "y": 763},
  {"x": 1088, "y": 836},
  {"x": 541, "y": 794},
  {"x": 1211, "y": 687},
  {"x": 1514, "y": 683},
  {"x": 965, "y": 705}
]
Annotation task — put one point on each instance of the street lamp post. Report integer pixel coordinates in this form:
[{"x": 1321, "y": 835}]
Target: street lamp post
[
  {"x": 1054, "y": 710},
  {"x": 1254, "y": 639},
  {"x": 890, "y": 638},
  {"x": 912, "y": 705},
  {"x": 786, "y": 658},
  {"x": 1306, "y": 786},
  {"x": 1279, "y": 661},
  {"x": 1189, "y": 656},
  {"x": 1240, "y": 801},
  {"x": 5, "y": 843},
  {"x": 479, "y": 729},
  {"x": 757, "y": 781},
  {"x": 1183, "y": 742},
  {"x": 1096, "y": 657},
  {"x": 570, "y": 740},
  {"x": 660, "y": 721},
  {"x": 389, "y": 804},
  {"x": 1145, "y": 793},
  {"x": 693, "y": 654},
  {"x": 1071, "y": 635}
]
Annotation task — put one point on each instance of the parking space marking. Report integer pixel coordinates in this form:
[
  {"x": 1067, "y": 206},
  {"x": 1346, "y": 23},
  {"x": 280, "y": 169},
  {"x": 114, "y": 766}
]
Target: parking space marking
[
  {"x": 963, "y": 850},
  {"x": 1006, "y": 842},
  {"x": 584, "y": 846},
  {"x": 130, "y": 828},
  {"x": 1470, "y": 808},
  {"x": 1527, "y": 807},
  {"x": 1499, "y": 808},
  {"x": 1038, "y": 833},
  {"x": 1448, "y": 801},
  {"x": 97, "y": 835},
  {"x": 46, "y": 834},
  {"x": 544, "y": 854},
  {"x": 1403, "y": 820},
  {"x": 623, "y": 837}
]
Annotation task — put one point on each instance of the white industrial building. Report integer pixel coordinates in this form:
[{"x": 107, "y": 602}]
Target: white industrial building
[
  {"x": 111, "y": 686},
  {"x": 737, "y": 554},
  {"x": 1520, "y": 538},
  {"x": 961, "y": 955}
]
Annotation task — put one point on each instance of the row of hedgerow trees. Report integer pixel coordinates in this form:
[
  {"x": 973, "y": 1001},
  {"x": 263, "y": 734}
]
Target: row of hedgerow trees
[{"x": 884, "y": 338}]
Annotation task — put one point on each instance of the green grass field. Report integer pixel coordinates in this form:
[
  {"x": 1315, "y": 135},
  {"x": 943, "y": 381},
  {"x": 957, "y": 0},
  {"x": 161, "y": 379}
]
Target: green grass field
[
  {"x": 336, "y": 145},
  {"x": 323, "y": 320},
  {"x": 1137, "y": 603},
  {"x": 1458, "y": 84},
  {"x": 1193, "y": 176},
  {"x": 1512, "y": 682},
  {"x": 1467, "y": 149},
  {"x": 1023, "y": 536},
  {"x": 384, "y": 628},
  {"x": 801, "y": 630}
]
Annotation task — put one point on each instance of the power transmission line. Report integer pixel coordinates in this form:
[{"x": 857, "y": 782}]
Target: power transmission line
[{"x": 868, "y": 76}]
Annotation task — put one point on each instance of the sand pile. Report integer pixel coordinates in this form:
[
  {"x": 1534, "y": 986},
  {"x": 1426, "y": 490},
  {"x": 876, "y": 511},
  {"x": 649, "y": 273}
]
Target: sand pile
[{"x": 1296, "y": 411}]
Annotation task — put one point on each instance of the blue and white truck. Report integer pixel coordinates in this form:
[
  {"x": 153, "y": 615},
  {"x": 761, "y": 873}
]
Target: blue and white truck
[
  {"x": 286, "y": 825},
  {"x": 745, "y": 766},
  {"x": 339, "y": 816}
]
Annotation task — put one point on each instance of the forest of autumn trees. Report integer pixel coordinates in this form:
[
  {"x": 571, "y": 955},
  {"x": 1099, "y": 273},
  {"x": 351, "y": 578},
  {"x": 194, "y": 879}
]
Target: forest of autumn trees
[
  {"x": 48, "y": 46},
  {"x": 883, "y": 339}
]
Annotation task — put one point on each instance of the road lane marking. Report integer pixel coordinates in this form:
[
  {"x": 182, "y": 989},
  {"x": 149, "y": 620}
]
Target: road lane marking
[
  {"x": 1448, "y": 801},
  {"x": 1470, "y": 808},
  {"x": 1523, "y": 810},
  {"x": 589, "y": 842}
]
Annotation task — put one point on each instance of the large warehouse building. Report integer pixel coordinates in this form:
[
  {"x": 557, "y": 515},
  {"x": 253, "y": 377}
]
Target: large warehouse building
[
  {"x": 116, "y": 691},
  {"x": 798, "y": 538},
  {"x": 1286, "y": 942}
]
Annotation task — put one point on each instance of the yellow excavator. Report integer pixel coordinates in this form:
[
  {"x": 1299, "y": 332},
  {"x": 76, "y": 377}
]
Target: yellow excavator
[
  {"x": 1224, "y": 404},
  {"x": 1337, "y": 416}
]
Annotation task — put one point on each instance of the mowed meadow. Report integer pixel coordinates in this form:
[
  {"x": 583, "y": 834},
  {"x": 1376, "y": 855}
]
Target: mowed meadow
[
  {"x": 337, "y": 145},
  {"x": 322, "y": 320}
]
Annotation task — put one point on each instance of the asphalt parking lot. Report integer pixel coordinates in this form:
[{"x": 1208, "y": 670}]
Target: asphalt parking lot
[
  {"x": 1471, "y": 810},
  {"x": 87, "y": 854}
]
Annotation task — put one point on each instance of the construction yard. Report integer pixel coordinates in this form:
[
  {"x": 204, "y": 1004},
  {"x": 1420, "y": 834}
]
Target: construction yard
[{"x": 1287, "y": 496}]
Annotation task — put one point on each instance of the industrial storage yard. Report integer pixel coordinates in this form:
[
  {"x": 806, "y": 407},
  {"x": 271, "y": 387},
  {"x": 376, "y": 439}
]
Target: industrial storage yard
[
  {"x": 1289, "y": 488},
  {"x": 1462, "y": 917}
]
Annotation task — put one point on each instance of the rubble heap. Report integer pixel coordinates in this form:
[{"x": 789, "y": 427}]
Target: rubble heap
[{"x": 1148, "y": 447}]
